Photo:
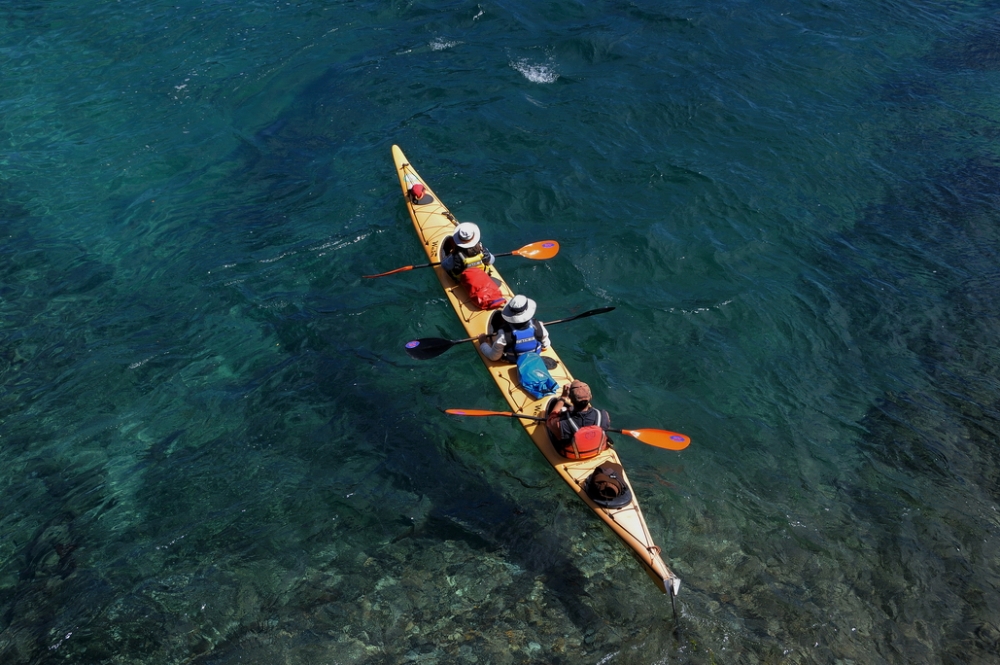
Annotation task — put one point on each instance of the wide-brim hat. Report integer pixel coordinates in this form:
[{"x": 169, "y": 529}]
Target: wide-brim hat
[
  {"x": 518, "y": 310},
  {"x": 466, "y": 235}
]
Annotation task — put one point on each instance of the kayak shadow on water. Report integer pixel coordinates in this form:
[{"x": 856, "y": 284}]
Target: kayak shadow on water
[{"x": 464, "y": 506}]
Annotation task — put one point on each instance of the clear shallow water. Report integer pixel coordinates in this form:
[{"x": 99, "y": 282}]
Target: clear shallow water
[{"x": 214, "y": 450}]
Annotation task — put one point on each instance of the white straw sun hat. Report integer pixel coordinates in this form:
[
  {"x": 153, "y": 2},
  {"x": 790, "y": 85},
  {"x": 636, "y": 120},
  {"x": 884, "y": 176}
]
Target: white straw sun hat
[
  {"x": 518, "y": 310},
  {"x": 466, "y": 235}
]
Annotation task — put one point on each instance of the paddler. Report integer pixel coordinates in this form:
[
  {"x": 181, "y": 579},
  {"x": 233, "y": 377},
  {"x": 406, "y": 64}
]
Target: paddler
[
  {"x": 464, "y": 250},
  {"x": 519, "y": 333},
  {"x": 576, "y": 428}
]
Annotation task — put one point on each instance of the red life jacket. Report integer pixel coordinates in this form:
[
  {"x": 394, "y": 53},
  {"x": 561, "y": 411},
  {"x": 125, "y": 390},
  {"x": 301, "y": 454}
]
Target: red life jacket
[{"x": 588, "y": 441}]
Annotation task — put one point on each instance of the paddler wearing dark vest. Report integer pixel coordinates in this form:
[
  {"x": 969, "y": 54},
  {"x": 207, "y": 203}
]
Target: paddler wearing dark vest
[
  {"x": 576, "y": 428},
  {"x": 520, "y": 333},
  {"x": 464, "y": 250}
]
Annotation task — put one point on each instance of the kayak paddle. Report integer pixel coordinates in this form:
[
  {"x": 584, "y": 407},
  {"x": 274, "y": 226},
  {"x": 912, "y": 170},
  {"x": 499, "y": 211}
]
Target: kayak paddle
[
  {"x": 537, "y": 251},
  {"x": 426, "y": 348},
  {"x": 660, "y": 438}
]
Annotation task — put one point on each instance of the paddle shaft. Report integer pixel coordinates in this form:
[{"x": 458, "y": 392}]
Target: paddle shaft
[
  {"x": 606, "y": 429},
  {"x": 589, "y": 312},
  {"x": 431, "y": 265},
  {"x": 426, "y": 348},
  {"x": 523, "y": 416},
  {"x": 541, "y": 250},
  {"x": 654, "y": 437}
]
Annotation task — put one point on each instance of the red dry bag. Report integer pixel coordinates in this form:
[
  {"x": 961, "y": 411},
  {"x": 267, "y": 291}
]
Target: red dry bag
[{"x": 482, "y": 289}]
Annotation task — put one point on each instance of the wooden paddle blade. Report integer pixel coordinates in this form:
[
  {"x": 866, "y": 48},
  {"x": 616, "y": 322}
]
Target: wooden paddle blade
[
  {"x": 538, "y": 251},
  {"x": 477, "y": 412},
  {"x": 660, "y": 438},
  {"x": 391, "y": 272},
  {"x": 428, "y": 347}
]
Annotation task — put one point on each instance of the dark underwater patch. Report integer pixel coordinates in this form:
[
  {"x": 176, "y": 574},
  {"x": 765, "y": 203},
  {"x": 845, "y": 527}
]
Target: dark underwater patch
[
  {"x": 921, "y": 269},
  {"x": 978, "y": 49}
]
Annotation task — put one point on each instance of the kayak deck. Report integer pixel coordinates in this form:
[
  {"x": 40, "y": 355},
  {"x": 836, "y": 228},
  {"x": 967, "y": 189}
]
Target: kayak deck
[{"x": 434, "y": 223}]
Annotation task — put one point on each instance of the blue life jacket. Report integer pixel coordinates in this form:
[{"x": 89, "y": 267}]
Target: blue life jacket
[{"x": 521, "y": 341}]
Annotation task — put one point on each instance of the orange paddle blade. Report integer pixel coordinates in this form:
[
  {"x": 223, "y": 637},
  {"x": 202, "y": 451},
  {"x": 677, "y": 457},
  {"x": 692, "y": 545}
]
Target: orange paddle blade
[
  {"x": 539, "y": 251},
  {"x": 660, "y": 438}
]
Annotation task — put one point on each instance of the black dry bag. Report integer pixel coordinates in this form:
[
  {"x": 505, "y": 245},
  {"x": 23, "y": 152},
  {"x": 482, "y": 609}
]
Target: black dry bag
[{"x": 606, "y": 486}]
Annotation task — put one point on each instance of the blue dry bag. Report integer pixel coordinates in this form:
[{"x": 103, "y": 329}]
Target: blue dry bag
[{"x": 535, "y": 377}]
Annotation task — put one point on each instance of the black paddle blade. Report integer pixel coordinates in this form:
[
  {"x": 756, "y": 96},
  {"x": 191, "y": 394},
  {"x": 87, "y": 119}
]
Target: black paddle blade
[
  {"x": 599, "y": 310},
  {"x": 428, "y": 347}
]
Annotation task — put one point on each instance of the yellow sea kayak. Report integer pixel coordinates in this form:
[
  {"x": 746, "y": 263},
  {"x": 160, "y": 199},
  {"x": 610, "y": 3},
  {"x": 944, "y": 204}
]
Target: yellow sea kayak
[{"x": 433, "y": 223}]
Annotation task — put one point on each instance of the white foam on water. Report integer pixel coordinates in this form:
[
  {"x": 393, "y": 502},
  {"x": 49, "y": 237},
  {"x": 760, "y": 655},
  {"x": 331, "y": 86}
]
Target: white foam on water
[
  {"x": 339, "y": 243},
  {"x": 140, "y": 363},
  {"x": 441, "y": 44},
  {"x": 278, "y": 257},
  {"x": 535, "y": 73}
]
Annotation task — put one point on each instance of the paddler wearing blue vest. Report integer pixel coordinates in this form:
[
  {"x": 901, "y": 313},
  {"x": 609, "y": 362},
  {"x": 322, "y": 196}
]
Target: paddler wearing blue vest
[
  {"x": 519, "y": 333},
  {"x": 464, "y": 250},
  {"x": 520, "y": 339}
]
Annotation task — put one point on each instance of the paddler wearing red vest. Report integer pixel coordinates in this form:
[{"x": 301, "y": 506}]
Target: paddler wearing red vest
[
  {"x": 464, "y": 250},
  {"x": 577, "y": 430}
]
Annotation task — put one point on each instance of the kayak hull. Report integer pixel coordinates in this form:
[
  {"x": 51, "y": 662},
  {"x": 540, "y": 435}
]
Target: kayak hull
[{"x": 434, "y": 223}]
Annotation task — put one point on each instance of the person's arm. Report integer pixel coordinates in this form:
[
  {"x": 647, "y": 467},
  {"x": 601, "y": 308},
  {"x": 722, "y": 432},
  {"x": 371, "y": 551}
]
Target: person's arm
[
  {"x": 545, "y": 336},
  {"x": 554, "y": 420},
  {"x": 494, "y": 350},
  {"x": 553, "y": 423},
  {"x": 488, "y": 258}
]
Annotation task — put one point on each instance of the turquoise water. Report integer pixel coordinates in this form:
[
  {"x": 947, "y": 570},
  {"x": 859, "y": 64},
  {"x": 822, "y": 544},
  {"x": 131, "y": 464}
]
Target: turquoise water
[{"x": 213, "y": 449}]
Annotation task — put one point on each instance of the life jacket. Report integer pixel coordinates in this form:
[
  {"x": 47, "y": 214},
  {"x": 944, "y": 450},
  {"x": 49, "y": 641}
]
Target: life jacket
[
  {"x": 587, "y": 441},
  {"x": 460, "y": 259},
  {"x": 474, "y": 261},
  {"x": 521, "y": 341}
]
